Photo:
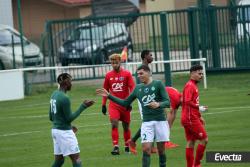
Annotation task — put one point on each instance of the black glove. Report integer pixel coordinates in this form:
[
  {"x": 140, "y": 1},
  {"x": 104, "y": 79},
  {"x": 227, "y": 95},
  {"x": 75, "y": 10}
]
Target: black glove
[
  {"x": 104, "y": 110},
  {"x": 129, "y": 108}
]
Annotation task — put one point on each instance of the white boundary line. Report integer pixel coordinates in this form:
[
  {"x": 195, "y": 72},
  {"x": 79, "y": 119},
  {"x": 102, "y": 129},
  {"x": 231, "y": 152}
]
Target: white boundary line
[
  {"x": 106, "y": 124},
  {"x": 100, "y": 65},
  {"x": 133, "y": 112},
  {"x": 202, "y": 60},
  {"x": 19, "y": 133},
  {"x": 99, "y": 113}
]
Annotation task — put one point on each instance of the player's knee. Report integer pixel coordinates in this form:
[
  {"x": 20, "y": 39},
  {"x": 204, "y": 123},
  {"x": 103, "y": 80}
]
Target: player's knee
[
  {"x": 161, "y": 151},
  {"x": 204, "y": 141},
  {"x": 114, "y": 126},
  {"x": 146, "y": 150},
  {"x": 190, "y": 144}
]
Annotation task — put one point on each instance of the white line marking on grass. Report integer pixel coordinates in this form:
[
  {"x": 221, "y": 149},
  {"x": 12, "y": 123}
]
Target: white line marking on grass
[
  {"x": 224, "y": 108},
  {"x": 20, "y": 133},
  {"x": 40, "y": 116},
  {"x": 85, "y": 126},
  {"x": 221, "y": 112},
  {"x": 24, "y": 117},
  {"x": 134, "y": 112}
]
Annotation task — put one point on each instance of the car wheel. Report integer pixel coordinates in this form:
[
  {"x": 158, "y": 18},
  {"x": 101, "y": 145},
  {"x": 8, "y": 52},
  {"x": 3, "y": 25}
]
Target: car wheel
[
  {"x": 100, "y": 59},
  {"x": 130, "y": 54},
  {"x": 1, "y": 66}
]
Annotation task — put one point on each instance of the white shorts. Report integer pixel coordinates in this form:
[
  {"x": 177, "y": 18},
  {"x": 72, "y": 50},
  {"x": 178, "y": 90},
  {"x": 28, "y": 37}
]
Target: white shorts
[
  {"x": 154, "y": 130},
  {"x": 65, "y": 142}
]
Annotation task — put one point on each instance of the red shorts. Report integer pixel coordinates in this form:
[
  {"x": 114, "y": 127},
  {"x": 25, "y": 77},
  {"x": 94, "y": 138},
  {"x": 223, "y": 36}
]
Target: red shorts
[
  {"x": 195, "y": 131},
  {"x": 119, "y": 113},
  {"x": 174, "y": 105}
]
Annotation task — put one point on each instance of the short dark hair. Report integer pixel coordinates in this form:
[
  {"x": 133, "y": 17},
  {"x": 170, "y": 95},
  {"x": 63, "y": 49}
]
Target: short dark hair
[
  {"x": 196, "y": 67},
  {"x": 143, "y": 67},
  {"x": 144, "y": 53},
  {"x": 62, "y": 77}
]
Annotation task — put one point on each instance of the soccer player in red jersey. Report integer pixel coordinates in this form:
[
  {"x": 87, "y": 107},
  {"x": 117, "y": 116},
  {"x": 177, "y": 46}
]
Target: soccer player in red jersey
[
  {"x": 119, "y": 82},
  {"x": 191, "y": 119}
]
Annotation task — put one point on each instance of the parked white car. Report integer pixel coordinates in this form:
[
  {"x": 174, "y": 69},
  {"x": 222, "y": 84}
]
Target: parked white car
[{"x": 10, "y": 56}]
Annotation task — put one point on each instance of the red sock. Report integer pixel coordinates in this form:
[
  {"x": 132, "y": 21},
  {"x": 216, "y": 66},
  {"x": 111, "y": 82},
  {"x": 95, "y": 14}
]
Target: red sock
[
  {"x": 199, "y": 154},
  {"x": 126, "y": 136},
  {"x": 190, "y": 157},
  {"x": 115, "y": 136}
]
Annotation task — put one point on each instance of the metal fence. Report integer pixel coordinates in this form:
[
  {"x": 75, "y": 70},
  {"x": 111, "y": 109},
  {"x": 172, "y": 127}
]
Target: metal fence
[{"x": 219, "y": 34}]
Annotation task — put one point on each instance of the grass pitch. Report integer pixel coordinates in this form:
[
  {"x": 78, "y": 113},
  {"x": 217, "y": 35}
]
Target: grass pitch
[{"x": 25, "y": 139}]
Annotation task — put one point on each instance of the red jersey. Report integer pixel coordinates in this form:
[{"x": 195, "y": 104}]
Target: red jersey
[
  {"x": 174, "y": 96},
  {"x": 119, "y": 84},
  {"x": 190, "y": 113}
]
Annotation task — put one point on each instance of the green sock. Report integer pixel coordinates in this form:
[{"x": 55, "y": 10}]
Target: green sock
[
  {"x": 145, "y": 160},
  {"x": 78, "y": 164},
  {"x": 137, "y": 135},
  {"x": 162, "y": 160},
  {"x": 58, "y": 163}
]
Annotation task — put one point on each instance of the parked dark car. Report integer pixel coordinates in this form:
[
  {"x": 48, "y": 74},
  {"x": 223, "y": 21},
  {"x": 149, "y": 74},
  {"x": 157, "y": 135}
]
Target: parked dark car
[{"x": 92, "y": 44}]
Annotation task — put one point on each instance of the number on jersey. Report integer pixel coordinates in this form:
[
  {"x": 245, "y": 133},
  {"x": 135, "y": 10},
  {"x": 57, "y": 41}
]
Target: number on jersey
[{"x": 53, "y": 106}]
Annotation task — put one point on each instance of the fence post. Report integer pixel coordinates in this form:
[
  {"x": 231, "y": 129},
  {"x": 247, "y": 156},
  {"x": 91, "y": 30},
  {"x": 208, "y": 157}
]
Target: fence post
[
  {"x": 50, "y": 51},
  {"x": 193, "y": 33},
  {"x": 203, "y": 26},
  {"x": 214, "y": 37},
  {"x": 245, "y": 23},
  {"x": 154, "y": 39},
  {"x": 165, "y": 48}
]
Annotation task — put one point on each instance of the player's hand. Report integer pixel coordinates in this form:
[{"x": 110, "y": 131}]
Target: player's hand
[
  {"x": 74, "y": 128},
  {"x": 154, "y": 105},
  {"x": 203, "y": 108},
  {"x": 102, "y": 92},
  {"x": 104, "y": 109},
  {"x": 88, "y": 102}
]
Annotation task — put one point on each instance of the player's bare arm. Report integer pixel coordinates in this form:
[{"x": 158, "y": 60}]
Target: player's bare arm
[
  {"x": 102, "y": 92},
  {"x": 203, "y": 120},
  {"x": 171, "y": 117}
]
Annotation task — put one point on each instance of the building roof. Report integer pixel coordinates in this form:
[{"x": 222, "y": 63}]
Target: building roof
[{"x": 71, "y": 3}]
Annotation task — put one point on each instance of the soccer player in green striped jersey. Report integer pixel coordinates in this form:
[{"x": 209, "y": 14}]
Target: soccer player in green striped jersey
[
  {"x": 153, "y": 98},
  {"x": 64, "y": 139}
]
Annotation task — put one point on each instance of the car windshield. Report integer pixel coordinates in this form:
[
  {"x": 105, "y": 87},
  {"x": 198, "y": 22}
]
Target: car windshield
[
  {"x": 114, "y": 29},
  {"x": 96, "y": 33},
  {"x": 6, "y": 37}
]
